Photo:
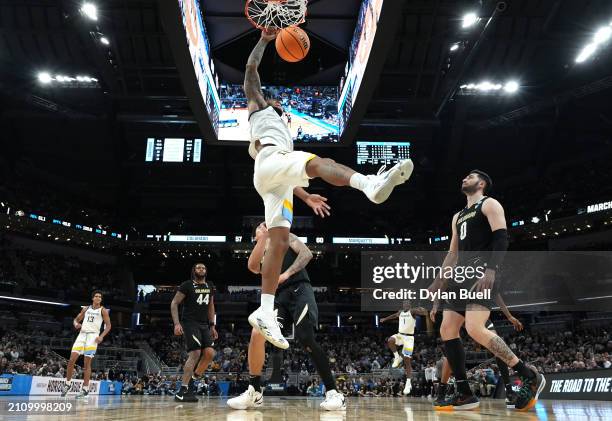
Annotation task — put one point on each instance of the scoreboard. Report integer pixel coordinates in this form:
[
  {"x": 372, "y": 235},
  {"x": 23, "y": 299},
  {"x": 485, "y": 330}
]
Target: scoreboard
[{"x": 376, "y": 153}]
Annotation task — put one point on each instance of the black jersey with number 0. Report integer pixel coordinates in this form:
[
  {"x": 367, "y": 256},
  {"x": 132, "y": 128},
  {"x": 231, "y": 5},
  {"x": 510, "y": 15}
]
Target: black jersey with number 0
[
  {"x": 195, "y": 304},
  {"x": 474, "y": 233}
]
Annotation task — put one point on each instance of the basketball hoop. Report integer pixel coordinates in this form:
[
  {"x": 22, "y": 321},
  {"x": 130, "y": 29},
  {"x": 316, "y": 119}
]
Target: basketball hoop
[{"x": 275, "y": 14}]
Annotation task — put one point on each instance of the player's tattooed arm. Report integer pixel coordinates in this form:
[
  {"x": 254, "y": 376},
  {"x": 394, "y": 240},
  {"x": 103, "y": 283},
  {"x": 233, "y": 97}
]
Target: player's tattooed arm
[
  {"x": 178, "y": 298},
  {"x": 304, "y": 256},
  {"x": 498, "y": 347},
  {"x": 252, "y": 82}
]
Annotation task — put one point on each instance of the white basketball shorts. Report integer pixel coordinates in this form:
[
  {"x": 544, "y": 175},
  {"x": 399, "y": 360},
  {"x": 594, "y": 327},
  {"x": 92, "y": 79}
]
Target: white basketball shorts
[{"x": 277, "y": 173}]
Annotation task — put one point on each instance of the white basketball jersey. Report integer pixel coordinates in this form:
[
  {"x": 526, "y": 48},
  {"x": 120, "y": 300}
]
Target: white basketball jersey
[
  {"x": 92, "y": 322},
  {"x": 269, "y": 128},
  {"x": 406, "y": 323}
]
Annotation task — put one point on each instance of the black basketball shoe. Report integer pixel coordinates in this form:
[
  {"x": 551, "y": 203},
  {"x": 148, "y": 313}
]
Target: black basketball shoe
[{"x": 185, "y": 395}]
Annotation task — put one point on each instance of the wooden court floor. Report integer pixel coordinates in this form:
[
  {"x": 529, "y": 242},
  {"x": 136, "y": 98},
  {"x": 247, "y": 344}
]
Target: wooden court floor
[{"x": 148, "y": 408}]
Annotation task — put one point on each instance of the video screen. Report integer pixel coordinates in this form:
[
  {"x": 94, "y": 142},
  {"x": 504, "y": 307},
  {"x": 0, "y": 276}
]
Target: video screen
[
  {"x": 361, "y": 46},
  {"x": 173, "y": 150},
  {"x": 311, "y": 112},
  {"x": 378, "y": 153},
  {"x": 199, "y": 49}
]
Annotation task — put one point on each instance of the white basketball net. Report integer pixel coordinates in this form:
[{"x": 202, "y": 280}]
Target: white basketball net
[{"x": 275, "y": 14}]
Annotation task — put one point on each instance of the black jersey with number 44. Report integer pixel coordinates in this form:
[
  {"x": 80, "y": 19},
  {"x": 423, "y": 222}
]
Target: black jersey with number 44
[
  {"x": 474, "y": 233},
  {"x": 195, "y": 304}
]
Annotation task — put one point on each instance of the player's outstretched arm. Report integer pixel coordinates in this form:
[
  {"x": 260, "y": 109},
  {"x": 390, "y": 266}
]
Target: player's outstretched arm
[
  {"x": 317, "y": 203},
  {"x": 252, "y": 83},
  {"x": 390, "y": 317}
]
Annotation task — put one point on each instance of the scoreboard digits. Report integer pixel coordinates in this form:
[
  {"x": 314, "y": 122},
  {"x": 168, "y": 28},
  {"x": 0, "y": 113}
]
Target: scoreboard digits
[{"x": 377, "y": 153}]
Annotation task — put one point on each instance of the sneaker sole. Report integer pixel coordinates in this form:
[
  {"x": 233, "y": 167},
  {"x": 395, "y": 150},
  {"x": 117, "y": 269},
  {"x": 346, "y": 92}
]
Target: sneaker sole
[
  {"x": 255, "y": 325},
  {"x": 395, "y": 179},
  {"x": 242, "y": 407},
  {"x": 533, "y": 401},
  {"x": 468, "y": 407},
  {"x": 343, "y": 408},
  {"x": 443, "y": 408}
]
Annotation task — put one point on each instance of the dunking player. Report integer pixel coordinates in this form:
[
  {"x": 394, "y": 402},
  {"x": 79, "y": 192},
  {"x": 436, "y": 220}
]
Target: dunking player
[
  {"x": 295, "y": 303},
  {"x": 197, "y": 327},
  {"x": 503, "y": 367},
  {"x": 479, "y": 239},
  {"x": 281, "y": 172},
  {"x": 87, "y": 342},
  {"x": 404, "y": 338}
]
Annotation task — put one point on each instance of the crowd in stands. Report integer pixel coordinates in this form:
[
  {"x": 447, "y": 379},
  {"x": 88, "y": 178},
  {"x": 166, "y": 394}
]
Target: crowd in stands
[
  {"x": 44, "y": 274},
  {"x": 19, "y": 354}
]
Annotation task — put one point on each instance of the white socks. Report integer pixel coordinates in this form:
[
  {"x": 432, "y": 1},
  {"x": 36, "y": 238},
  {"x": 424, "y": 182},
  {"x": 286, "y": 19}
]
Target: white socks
[
  {"x": 397, "y": 355},
  {"x": 267, "y": 303},
  {"x": 358, "y": 181}
]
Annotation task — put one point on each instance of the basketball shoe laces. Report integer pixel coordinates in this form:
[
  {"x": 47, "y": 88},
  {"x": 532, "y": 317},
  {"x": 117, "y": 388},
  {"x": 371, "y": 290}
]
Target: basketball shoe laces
[{"x": 380, "y": 172}]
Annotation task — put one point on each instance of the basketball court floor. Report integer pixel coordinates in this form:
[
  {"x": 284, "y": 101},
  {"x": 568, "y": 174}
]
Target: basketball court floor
[{"x": 136, "y": 408}]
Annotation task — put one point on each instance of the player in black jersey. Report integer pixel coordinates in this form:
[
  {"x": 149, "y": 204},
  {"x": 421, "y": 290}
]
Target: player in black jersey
[
  {"x": 197, "y": 326},
  {"x": 479, "y": 240},
  {"x": 294, "y": 303}
]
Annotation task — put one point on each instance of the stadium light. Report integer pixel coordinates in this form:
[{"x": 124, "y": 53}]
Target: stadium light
[
  {"x": 454, "y": 47},
  {"x": 469, "y": 19},
  {"x": 44, "y": 77},
  {"x": 104, "y": 40},
  {"x": 4, "y": 297},
  {"x": 586, "y": 53},
  {"x": 90, "y": 10},
  {"x": 602, "y": 35},
  {"x": 511, "y": 86},
  {"x": 486, "y": 86}
]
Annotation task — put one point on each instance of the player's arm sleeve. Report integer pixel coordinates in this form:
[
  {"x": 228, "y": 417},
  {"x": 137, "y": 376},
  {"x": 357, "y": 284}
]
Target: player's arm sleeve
[{"x": 494, "y": 212}]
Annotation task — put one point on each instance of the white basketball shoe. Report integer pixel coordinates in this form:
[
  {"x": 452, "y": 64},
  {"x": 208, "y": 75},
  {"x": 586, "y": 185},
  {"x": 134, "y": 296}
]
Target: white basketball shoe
[
  {"x": 267, "y": 325},
  {"x": 382, "y": 184},
  {"x": 334, "y": 401},
  {"x": 250, "y": 398}
]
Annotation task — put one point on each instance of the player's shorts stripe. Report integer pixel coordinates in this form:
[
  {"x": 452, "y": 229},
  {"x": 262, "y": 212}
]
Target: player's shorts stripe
[
  {"x": 287, "y": 210},
  {"x": 90, "y": 348},
  {"x": 196, "y": 339},
  {"x": 302, "y": 315}
]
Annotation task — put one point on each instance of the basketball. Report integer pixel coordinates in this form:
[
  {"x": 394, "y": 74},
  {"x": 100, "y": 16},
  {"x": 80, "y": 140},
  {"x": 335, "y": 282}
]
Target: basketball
[{"x": 292, "y": 44}]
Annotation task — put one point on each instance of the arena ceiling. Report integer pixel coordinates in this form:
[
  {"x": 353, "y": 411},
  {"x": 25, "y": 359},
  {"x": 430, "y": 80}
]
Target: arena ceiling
[{"x": 560, "y": 104}]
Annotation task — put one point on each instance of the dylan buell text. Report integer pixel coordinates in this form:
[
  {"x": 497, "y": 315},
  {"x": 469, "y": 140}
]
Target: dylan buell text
[{"x": 425, "y": 294}]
